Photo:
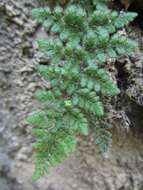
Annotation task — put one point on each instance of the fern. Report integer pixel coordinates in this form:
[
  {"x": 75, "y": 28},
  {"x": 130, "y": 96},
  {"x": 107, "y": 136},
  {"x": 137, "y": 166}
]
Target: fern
[{"x": 83, "y": 37}]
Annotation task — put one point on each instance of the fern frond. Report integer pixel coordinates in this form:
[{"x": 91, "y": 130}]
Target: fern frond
[{"x": 82, "y": 37}]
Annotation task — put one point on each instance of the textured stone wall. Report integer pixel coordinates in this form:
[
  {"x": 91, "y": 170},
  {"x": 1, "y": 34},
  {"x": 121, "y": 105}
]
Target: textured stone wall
[{"x": 86, "y": 169}]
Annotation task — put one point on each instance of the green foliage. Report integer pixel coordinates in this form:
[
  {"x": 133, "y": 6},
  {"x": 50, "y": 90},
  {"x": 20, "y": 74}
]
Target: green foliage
[
  {"x": 51, "y": 148},
  {"x": 102, "y": 135},
  {"x": 83, "y": 37}
]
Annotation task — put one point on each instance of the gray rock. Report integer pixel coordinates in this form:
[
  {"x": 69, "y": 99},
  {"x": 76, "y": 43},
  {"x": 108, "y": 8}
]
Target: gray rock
[{"x": 86, "y": 169}]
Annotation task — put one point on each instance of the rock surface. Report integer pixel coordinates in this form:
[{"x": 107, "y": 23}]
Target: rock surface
[{"x": 86, "y": 169}]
